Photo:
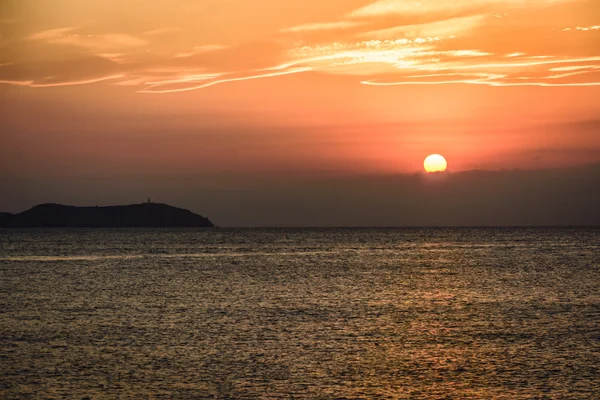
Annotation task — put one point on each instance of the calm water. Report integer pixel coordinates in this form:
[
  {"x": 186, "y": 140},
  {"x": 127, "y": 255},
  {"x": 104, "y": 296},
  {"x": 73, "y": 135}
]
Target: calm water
[{"x": 419, "y": 314}]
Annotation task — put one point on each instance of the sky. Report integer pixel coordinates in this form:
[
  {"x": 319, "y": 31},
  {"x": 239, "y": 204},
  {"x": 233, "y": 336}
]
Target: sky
[{"x": 305, "y": 112}]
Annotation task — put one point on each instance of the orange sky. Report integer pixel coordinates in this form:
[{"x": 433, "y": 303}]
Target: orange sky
[{"x": 105, "y": 87}]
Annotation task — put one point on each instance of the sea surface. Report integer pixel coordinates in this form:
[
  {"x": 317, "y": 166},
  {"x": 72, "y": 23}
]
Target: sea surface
[{"x": 300, "y": 313}]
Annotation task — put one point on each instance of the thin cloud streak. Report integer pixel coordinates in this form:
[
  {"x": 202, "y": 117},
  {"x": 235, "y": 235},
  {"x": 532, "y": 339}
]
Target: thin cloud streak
[
  {"x": 478, "y": 82},
  {"x": 321, "y": 26},
  {"x": 96, "y": 42},
  {"x": 444, "y": 28},
  {"x": 51, "y": 33},
  {"x": 151, "y": 89},
  {"x": 387, "y": 7},
  {"x": 161, "y": 31},
  {"x": 200, "y": 50},
  {"x": 56, "y": 84},
  {"x": 583, "y": 28}
]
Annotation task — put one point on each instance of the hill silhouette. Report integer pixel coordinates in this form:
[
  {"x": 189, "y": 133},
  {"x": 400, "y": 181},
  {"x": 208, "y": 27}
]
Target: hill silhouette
[{"x": 134, "y": 215}]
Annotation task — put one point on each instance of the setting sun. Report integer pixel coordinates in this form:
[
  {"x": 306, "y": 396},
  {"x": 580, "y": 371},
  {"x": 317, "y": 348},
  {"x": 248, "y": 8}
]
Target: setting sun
[{"x": 435, "y": 163}]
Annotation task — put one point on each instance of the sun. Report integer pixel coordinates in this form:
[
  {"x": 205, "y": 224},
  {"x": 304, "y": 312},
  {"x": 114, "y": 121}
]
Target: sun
[{"x": 435, "y": 163}]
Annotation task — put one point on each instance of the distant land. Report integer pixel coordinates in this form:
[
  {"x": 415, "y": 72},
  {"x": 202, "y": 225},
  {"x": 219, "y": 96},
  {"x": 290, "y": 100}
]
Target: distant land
[{"x": 134, "y": 215}]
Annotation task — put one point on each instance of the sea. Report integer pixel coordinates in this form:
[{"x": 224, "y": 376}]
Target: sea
[{"x": 465, "y": 313}]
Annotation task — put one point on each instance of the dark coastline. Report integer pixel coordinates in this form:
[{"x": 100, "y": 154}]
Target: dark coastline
[{"x": 152, "y": 215}]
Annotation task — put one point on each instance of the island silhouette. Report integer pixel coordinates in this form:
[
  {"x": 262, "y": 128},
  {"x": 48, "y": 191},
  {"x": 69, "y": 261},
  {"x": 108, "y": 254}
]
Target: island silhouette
[{"x": 155, "y": 215}]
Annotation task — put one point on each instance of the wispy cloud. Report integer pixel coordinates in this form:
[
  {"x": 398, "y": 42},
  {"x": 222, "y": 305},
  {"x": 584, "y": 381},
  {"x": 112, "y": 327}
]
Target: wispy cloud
[
  {"x": 447, "y": 27},
  {"x": 529, "y": 73},
  {"x": 183, "y": 85},
  {"x": 65, "y": 83},
  {"x": 201, "y": 49},
  {"x": 575, "y": 68},
  {"x": 583, "y": 28},
  {"x": 102, "y": 42},
  {"x": 321, "y": 26},
  {"x": 162, "y": 31},
  {"x": 52, "y": 34},
  {"x": 389, "y": 7}
]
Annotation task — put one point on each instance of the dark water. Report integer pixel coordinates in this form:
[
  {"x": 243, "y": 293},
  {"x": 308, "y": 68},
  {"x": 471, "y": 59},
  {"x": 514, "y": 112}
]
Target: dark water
[{"x": 419, "y": 314}]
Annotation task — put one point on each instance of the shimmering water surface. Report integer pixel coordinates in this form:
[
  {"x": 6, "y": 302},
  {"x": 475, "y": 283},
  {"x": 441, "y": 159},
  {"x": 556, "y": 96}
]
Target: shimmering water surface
[{"x": 364, "y": 313}]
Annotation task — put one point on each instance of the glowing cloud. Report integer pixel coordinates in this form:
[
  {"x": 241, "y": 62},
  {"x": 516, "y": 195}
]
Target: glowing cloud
[
  {"x": 51, "y": 34},
  {"x": 386, "y": 42},
  {"x": 388, "y": 7},
  {"x": 103, "y": 42},
  {"x": 323, "y": 26},
  {"x": 55, "y": 84},
  {"x": 201, "y": 49},
  {"x": 169, "y": 87}
]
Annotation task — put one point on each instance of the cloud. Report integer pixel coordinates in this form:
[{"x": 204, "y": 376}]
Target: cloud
[
  {"x": 63, "y": 83},
  {"x": 320, "y": 26},
  {"x": 92, "y": 42},
  {"x": 562, "y": 196},
  {"x": 419, "y": 61},
  {"x": 201, "y": 49},
  {"x": 447, "y": 27},
  {"x": 583, "y": 28},
  {"x": 52, "y": 34},
  {"x": 101, "y": 42},
  {"x": 187, "y": 84},
  {"x": 388, "y": 7},
  {"x": 503, "y": 198},
  {"x": 162, "y": 31},
  {"x": 77, "y": 71},
  {"x": 386, "y": 42}
]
